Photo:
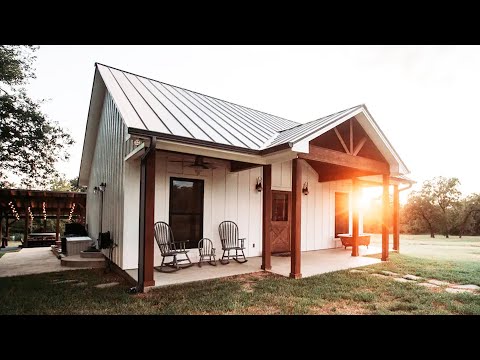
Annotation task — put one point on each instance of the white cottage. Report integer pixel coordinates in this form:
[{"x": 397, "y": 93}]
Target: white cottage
[{"x": 164, "y": 153}]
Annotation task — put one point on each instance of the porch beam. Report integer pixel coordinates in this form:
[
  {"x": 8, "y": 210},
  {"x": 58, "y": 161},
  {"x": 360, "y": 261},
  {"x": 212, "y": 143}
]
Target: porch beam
[
  {"x": 317, "y": 153},
  {"x": 295, "y": 243},
  {"x": 57, "y": 225},
  {"x": 267, "y": 217},
  {"x": 385, "y": 218},
  {"x": 396, "y": 218},
  {"x": 355, "y": 210},
  {"x": 236, "y": 166},
  {"x": 25, "y": 231},
  {"x": 147, "y": 218}
]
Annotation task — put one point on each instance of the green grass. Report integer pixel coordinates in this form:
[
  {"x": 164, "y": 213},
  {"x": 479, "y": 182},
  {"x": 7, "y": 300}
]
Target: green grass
[
  {"x": 1, "y": 254},
  {"x": 260, "y": 293}
]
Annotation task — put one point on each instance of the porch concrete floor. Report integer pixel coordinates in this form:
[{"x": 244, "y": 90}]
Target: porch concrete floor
[
  {"x": 313, "y": 263},
  {"x": 324, "y": 261}
]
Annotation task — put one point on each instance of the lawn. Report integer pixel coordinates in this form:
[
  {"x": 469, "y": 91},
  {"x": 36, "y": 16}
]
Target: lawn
[{"x": 339, "y": 292}]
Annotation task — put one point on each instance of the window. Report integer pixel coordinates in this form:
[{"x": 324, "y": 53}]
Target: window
[
  {"x": 186, "y": 210},
  {"x": 341, "y": 213},
  {"x": 279, "y": 206}
]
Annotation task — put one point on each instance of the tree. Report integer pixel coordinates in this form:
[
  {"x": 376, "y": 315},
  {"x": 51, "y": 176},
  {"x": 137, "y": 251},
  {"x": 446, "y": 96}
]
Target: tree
[
  {"x": 446, "y": 195},
  {"x": 30, "y": 143},
  {"x": 421, "y": 207},
  {"x": 470, "y": 206},
  {"x": 76, "y": 187},
  {"x": 60, "y": 183}
]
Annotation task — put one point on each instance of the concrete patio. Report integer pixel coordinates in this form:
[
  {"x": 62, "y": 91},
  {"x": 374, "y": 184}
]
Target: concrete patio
[
  {"x": 30, "y": 261},
  {"x": 313, "y": 263}
]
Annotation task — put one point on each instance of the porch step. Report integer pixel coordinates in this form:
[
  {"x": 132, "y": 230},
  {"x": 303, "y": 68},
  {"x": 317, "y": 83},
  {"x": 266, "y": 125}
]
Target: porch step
[
  {"x": 91, "y": 255},
  {"x": 77, "y": 261}
]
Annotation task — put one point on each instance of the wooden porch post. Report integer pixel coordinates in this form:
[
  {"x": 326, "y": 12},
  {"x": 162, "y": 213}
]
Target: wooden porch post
[
  {"x": 385, "y": 219},
  {"x": 147, "y": 218},
  {"x": 295, "y": 244},
  {"x": 7, "y": 230},
  {"x": 25, "y": 234},
  {"x": 355, "y": 210},
  {"x": 267, "y": 217},
  {"x": 57, "y": 224},
  {"x": 396, "y": 218}
]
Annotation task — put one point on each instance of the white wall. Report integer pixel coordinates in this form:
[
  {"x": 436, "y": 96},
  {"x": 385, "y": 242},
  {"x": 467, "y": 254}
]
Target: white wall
[
  {"x": 282, "y": 176},
  {"x": 232, "y": 196},
  {"x": 227, "y": 196},
  {"x": 107, "y": 166},
  {"x": 318, "y": 210}
]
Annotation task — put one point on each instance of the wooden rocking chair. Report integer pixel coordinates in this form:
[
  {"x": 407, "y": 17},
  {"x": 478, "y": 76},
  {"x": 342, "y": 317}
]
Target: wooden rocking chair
[
  {"x": 206, "y": 250},
  {"x": 170, "y": 248},
  {"x": 228, "y": 231}
]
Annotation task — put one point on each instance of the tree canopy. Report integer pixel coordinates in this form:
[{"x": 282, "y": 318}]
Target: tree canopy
[
  {"x": 30, "y": 143},
  {"x": 439, "y": 207}
]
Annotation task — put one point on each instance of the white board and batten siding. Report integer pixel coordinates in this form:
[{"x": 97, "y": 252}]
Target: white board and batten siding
[
  {"x": 318, "y": 207},
  {"x": 108, "y": 167},
  {"x": 227, "y": 196}
]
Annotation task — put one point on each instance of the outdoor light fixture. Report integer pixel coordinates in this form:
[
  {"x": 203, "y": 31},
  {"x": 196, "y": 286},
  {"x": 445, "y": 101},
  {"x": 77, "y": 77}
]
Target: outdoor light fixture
[
  {"x": 305, "y": 188},
  {"x": 100, "y": 188},
  {"x": 258, "y": 186}
]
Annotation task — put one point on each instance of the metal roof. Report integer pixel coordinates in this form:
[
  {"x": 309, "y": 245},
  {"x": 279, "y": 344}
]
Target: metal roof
[
  {"x": 159, "y": 107},
  {"x": 176, "y": 114},
  {"x": 301, "y": 131}
]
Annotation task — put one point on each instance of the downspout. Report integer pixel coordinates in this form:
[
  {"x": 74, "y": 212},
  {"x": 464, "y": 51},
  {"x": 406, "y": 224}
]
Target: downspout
[{"x": 141, "y": 238}]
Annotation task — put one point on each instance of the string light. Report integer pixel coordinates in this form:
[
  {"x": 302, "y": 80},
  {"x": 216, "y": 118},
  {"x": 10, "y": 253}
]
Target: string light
[
  {"x": 71, "y": 212},
  {"x": 44, "y": 212},
  {"x": 14, "y": 211}
]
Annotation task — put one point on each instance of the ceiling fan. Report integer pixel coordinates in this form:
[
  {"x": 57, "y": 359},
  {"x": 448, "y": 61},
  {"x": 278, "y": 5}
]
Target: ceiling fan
[{"x": 198, "y": 163}]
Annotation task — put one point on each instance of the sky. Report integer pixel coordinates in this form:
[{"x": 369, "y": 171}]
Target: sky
[{"x": 423, "y": 97}]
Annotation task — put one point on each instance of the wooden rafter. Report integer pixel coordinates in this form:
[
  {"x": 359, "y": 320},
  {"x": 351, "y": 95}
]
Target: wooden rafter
[
  {"x": 351, "y": 136},
  {"x": 341, "y": 141},
  {"x": 359, "y": 146}
]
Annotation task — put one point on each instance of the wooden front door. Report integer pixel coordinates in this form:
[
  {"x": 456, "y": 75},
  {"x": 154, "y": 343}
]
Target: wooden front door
[{"x": 280, "y": 223}]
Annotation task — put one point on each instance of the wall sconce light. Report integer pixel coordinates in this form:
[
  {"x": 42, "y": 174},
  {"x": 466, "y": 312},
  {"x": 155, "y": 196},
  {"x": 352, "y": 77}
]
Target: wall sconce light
[
  {"x": 258, "y": 186},
  {"x": 305, "y": 188},
  {"x": 100, "y": 188},
  {"x": 103, "y": 186}
]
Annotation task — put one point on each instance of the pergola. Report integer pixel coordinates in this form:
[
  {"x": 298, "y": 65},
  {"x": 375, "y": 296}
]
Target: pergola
[{"x": 16, "y": 204}]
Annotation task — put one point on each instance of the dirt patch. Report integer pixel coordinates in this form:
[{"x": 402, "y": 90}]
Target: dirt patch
[
  {"x": 248, "y": 280},
  {"x": 343, "y": 307}
]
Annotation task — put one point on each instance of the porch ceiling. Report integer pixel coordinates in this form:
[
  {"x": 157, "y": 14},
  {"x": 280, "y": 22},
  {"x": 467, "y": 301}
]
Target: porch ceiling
[{"x": 331, "y": 172}]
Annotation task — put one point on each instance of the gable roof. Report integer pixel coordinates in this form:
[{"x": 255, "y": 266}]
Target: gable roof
[
  {"x": 156, "y": 106},
  {"x": 176, "y": 114}
]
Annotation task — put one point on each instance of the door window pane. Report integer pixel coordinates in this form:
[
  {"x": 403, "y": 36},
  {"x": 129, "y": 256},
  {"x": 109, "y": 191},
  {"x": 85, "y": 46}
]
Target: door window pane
[{"x": 279, "y": 207}]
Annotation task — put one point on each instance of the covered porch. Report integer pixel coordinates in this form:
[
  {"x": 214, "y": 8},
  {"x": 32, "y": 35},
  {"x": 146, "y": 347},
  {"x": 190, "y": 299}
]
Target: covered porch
[
  {"x": 313, "y": 263},
  {"x": 349, "y": 151}
]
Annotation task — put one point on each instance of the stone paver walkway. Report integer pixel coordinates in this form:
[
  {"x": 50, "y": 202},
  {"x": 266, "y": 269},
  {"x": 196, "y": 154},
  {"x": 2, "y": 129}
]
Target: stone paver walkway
[{"x": 429, "y": 283}]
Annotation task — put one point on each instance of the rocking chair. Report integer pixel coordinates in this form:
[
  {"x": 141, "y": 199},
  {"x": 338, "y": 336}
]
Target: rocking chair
[
  {"x": 228, "y": 231},
  {"x": 206, "y": 250},
  {"x": 170, "y": 248}
]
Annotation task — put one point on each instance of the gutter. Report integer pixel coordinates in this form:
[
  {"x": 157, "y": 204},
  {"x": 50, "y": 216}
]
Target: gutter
[{"x": 406, "y": 188}]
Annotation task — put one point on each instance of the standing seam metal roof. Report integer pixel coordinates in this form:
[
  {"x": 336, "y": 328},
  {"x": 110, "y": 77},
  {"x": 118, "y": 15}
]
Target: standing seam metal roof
[{"x": 156, "y": 106}]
